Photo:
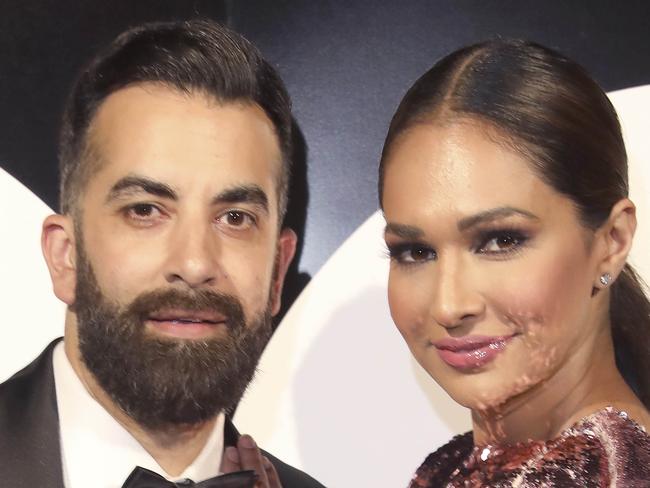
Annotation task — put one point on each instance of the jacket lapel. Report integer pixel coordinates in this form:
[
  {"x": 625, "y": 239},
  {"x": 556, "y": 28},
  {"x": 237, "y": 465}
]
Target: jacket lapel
[
  {"x": 230, "y": 433},
  {"x": 30, "y": 453}
]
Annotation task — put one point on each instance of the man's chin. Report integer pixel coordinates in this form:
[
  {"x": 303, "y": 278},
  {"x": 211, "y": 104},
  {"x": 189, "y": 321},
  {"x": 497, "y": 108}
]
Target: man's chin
[{"x": 169, "y": 357}]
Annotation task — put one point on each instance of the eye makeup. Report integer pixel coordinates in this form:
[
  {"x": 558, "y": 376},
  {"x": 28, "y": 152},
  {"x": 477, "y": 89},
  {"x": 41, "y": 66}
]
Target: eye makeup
[
  {"x": 492, "y": 241},
  {"x": 410, "y": 253},
  {"x": 500, "y": 242}
]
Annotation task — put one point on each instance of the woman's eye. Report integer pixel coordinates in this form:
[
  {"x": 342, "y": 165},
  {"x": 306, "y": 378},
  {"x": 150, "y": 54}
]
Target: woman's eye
[
  {"x": 501, "y": 242},
  {"x": 408, "y": 254}
]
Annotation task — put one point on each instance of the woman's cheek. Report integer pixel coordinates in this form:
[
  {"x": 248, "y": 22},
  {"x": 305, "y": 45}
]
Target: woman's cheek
[
  {"x": 538, "y": 308},
  {"x": 408, "y": 307}
]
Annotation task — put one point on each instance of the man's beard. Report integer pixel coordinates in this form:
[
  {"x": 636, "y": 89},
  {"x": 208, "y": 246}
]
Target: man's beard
[{"x": 162, "y": 382}]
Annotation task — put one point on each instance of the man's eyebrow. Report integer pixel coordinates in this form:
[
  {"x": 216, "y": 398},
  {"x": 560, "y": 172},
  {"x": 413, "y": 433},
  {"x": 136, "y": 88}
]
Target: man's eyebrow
[
  {"x": 493, "y": 214},
  {"x": 136, "y": 184},
  {"x": 252, "y": 194},
  {"x": 404, "y": 231}
]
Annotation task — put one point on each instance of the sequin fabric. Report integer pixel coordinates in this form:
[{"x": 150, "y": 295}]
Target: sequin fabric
[{"x": 604, "y": 450}]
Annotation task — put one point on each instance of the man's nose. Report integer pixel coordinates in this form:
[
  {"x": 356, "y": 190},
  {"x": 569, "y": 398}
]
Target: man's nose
[
  {"x": 193, "y": 255},
  {"x": 455, "y": 299}
]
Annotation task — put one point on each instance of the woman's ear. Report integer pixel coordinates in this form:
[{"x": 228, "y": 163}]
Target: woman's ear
[
  {"x": 58, "y": 246},
  {"x": 617, "y": 234}
]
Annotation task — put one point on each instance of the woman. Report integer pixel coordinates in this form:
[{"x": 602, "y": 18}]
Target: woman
[{"x": 503, "y": 181}]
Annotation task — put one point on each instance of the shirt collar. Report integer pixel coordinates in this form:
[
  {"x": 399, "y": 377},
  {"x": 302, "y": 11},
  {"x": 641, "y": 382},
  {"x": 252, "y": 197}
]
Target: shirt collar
[{"x": 98, "y": 451}]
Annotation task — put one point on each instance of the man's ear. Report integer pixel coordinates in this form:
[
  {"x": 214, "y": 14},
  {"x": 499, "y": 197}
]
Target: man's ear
[
  {"x": 616, "y": 235},
  {"x": 58, "y": 246},
  {"x": 286, "y": 250}
]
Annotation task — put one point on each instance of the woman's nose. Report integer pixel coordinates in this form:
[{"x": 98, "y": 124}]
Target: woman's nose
[{"x": 456, "y": 298}]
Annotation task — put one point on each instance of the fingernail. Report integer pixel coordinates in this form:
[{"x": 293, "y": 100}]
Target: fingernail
[
  {"x": 232, "y": 454},
  {"x": 247, "y": 442},
  {"x": 266, "y": 462}
]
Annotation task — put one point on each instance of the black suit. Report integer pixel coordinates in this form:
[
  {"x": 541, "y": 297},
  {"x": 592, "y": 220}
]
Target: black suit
[{"x": 30, "y": 452}]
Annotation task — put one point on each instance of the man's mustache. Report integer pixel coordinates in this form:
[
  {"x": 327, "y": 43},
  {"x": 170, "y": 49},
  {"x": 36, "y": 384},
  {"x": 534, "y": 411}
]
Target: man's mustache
[{"x": 204, "y": 301}]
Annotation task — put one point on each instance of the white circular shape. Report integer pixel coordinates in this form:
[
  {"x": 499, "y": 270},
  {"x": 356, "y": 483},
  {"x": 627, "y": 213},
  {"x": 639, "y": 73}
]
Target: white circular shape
[
  {"x": 32, "y": 315},
  {"x": 338, "y": 393},
  {"x": 633, "y": 107}
]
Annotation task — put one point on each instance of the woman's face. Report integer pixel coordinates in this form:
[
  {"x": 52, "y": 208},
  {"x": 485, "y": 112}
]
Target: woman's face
[{"x": 491, "y": 274}]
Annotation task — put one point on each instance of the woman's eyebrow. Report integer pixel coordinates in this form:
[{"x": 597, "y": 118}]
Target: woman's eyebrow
[
  {"x": 404, "y": 231},
  {"x": 493, "y": 214}
]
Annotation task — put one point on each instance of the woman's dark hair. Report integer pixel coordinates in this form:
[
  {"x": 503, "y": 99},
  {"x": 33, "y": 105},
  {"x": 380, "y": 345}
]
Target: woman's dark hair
[
  {"x": 195, "y": 55},
  {"x": 549, "y": 110}
]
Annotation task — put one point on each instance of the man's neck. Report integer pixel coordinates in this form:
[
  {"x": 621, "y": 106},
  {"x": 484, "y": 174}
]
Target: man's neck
[{"x": 174, "y": 449}]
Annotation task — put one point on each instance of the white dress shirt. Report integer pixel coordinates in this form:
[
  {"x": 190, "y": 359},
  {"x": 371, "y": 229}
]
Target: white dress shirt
[{"x": 96, "y": 451}]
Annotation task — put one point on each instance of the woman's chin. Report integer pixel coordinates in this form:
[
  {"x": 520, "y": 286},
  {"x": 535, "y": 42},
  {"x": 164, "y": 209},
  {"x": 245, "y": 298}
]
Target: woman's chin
[
  {"x": 481, "y": 402},
  {"x": 489, "y": 395},
  {"x": 493, "y": 388}
]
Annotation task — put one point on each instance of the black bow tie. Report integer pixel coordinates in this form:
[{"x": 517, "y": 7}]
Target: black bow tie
[{"x": 143, "y": 478}]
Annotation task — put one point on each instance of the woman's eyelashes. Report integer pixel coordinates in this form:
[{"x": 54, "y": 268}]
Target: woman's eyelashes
[
  {"x": 500, "y": 242},
  {"x": 496, "y": 243},
  {"x": 407, "y": 253}
]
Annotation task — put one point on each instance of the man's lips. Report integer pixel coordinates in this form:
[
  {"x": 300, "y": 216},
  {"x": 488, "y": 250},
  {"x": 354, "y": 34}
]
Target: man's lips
[
  {"x": 187, "y": 316},
  {"x": 471, "y": 352},
  {"x": 186, "y": 324}
]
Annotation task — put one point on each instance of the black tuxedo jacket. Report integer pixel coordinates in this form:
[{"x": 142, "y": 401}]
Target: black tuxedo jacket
[{"x": 30, "y": 452}]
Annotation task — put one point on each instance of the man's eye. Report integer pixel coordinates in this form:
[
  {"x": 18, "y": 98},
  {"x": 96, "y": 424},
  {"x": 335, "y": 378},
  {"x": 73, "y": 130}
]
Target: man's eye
[
  {"x": 141, "y": 211},
  {"x": 237, "y": 218},
  {"x": 411, "y": 253}
]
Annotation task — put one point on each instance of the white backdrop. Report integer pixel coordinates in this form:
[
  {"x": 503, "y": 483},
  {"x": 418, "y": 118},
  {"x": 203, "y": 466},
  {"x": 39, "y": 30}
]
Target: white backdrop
[{"x": 338, "y": 393}]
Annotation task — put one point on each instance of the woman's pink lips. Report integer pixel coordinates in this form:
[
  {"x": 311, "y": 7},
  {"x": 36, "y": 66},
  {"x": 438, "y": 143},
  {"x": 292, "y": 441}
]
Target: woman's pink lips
[{"x": 472, "y": 351}]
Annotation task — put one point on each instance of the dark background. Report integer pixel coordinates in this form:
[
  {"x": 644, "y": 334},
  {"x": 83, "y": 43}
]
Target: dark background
[{"x": 346, "y": 65}]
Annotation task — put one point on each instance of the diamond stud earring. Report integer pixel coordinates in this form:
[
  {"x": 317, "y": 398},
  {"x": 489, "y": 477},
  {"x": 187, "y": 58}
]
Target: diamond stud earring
[{"x": 605, "y": 279}]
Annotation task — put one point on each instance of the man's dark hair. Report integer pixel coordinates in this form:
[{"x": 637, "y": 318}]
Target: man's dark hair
[{"x": 190, "y": 56}]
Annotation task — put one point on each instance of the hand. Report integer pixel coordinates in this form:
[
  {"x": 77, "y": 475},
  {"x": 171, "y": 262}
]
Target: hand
[{"x": 247, "y": 456}]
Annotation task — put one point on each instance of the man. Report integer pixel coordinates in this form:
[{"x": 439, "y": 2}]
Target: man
[{"x": 170, "y": 254}]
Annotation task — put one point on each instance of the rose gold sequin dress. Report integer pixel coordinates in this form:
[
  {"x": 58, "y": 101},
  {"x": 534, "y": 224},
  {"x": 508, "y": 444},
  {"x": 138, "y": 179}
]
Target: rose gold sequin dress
[{"x": 603, "y": 450}]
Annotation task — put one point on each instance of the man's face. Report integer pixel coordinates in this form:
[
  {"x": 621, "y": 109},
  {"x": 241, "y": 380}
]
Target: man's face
[{"x": 179, "y": 259}]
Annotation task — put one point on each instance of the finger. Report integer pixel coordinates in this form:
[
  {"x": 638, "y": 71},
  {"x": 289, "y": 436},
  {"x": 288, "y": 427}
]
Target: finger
[
  {"x": 251, "y": 458},
  {"x": 230, "y": 462},
  {"x": 271, "y": 474}
]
